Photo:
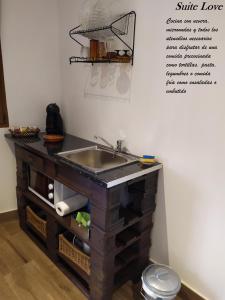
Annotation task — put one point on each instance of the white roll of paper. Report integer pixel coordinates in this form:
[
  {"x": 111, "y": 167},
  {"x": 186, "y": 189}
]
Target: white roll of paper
[{"x": 71, "y": 204}]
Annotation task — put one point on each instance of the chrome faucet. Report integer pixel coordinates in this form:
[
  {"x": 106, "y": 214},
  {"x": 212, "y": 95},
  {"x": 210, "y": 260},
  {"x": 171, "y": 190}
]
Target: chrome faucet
[
  {"x": 104, "y": 141},
  {"x": 119, "y": 144}
]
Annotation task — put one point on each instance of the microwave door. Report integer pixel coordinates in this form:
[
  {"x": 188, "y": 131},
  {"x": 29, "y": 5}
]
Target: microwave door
[{"x": 40, "y": 184}]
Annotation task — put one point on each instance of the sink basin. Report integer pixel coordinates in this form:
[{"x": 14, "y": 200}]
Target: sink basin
[{"x": 97, "y": 159}]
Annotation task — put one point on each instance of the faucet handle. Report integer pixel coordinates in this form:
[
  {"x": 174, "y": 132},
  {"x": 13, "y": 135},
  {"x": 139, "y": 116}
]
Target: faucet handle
[{"x": 119, "y": 145}]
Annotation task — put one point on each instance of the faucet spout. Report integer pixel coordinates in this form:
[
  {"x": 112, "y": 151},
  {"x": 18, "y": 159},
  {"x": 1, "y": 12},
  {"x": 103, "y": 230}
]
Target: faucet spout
[
  {"x": 119, "y": 144},
  {"x": 104, "y": 141}
]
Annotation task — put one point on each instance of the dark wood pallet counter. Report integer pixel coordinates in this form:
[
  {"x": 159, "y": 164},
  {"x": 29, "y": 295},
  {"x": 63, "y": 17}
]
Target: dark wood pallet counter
[{"x": 120, "y": 233}]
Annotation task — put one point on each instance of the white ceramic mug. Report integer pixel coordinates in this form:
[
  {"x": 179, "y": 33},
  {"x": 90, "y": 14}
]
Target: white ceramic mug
[{"x": 85, "y": 51}]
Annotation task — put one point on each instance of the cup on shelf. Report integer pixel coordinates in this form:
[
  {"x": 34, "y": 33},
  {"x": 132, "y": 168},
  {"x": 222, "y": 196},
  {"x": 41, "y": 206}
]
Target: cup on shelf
[
  {"x": 84, "y": 52},
  {"x": 127, "y": 53},
  {"x": 110, "y": 45},
  {"x": 119, "y": 52},
  {"x": 111, "y": 55},
  {"x": 101, "y": 50},
  {"x": 94, "y": 46}
]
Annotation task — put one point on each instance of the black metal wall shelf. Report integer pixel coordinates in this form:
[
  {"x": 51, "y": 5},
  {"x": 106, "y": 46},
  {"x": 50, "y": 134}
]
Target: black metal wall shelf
[
  {"x": 113, "y": 30},
  {"x": 76, "y": 59}
]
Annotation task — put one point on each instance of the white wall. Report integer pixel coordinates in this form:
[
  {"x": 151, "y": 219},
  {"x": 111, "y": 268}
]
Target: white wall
[
  {"x": 187, "y": 132},
  {"x": 30, "y": 46}
]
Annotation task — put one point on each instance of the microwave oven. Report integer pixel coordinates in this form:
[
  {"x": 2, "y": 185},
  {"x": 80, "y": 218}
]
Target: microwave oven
[{"x": 49, "y": 190}]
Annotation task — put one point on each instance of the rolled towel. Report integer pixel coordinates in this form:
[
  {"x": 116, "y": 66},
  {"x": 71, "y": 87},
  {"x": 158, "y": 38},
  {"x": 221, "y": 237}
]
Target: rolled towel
[{"x": 71, "y": 204}]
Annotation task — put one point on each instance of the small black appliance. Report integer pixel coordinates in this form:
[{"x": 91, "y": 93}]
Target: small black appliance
[{"x": 54, "y": 122}]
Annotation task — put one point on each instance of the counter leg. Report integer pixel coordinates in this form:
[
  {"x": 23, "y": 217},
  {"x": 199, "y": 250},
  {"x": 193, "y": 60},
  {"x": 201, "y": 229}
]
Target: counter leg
[
  {"x": 52, "y": 237},
  {"x": 102, "y": 276}
]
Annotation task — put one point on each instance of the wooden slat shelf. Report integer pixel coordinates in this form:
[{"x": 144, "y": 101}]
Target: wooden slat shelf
[
  {"x": 127, "y": 235},
  {"x": 127, "y": 254},
  {"x": 123, "y": 247},
  {"x": 123, "y": 275},
  {"x": 130, "y": 217},
  {"x": 119, "y": 266},
  {"x": 64, "y": 221},
  {"x": 125, "y": 257}
]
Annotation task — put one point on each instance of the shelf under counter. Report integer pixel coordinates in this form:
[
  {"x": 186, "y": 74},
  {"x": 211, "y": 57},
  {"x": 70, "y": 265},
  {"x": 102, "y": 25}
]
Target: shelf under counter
[
  {"x": 75, "y": 278},
  {"x": 75, "y": 268},
  {"x": 63, "y": 221}
]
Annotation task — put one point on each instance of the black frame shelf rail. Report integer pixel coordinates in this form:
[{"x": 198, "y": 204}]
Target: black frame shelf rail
[{"x": 111, "y": 30}]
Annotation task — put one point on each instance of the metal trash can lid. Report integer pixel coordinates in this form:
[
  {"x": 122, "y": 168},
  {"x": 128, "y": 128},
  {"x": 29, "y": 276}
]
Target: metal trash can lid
[{"x": 160, "y": 281}]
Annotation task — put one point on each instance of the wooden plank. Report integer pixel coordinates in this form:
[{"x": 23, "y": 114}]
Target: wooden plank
[
  {"x": 43, "y": 265},
  {"x": 187, "y": 294},
  {"x": 31, "y": 252},
  {"x": 3, "y": 234},
  {"x": 11, "y": 227},
  {"x": 124, "y": 293},
  {"x": 27, "y": 249},
  {"x": 9, "y": 258},
  {"x": 62, "y": 283},
  {"x": 5, "y": 291},
  {"x": 30, "y": 282},
  {"x": 8, "y": 216}
]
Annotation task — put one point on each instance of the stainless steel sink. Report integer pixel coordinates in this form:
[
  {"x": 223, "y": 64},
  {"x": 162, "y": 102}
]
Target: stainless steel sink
[{"x": 97, "y": 159}]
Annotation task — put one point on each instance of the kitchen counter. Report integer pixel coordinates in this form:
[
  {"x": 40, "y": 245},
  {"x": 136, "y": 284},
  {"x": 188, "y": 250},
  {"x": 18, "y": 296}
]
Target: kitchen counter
[
  {"x": 122, "y": 202},
  {"x": 107, "y": 179}
]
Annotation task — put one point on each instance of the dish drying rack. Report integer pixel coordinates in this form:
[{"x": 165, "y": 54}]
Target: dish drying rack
[{"x": 119, "y": 28}]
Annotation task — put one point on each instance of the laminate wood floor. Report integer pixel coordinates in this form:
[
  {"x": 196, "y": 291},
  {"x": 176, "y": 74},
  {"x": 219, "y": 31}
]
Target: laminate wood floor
[{"x": 28, "y": 274}]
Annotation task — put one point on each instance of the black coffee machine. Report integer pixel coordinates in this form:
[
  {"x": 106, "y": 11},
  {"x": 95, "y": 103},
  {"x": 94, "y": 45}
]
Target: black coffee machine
[{"x": 54, "y": 122}]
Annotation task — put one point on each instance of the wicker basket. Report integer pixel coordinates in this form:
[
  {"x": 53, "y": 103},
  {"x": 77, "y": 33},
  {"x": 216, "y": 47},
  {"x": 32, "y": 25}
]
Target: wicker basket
[
  {"x": 74, "y": 254},
  {"x": 35, "y": 221},
  {"x": 30, "y": 133}
]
